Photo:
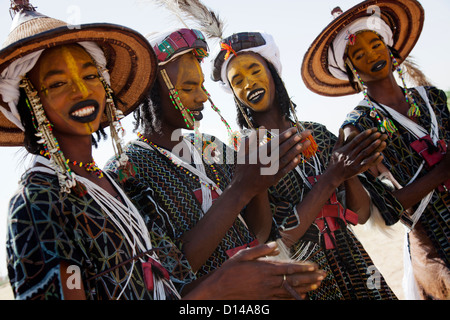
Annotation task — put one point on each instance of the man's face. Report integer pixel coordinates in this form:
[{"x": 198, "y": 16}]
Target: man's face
[
  {"x": 251, "y": 81},
  {"x": 71, "y": 93},
  {"x": 370, "y": 57},
  {"x": 187, "y": 77}
]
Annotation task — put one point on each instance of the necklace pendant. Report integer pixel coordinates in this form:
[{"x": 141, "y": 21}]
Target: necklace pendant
[{"x": 373, "y": 114}]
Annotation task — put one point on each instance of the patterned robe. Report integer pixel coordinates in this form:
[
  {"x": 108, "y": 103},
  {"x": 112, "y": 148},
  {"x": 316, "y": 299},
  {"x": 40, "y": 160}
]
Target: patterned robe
[
  {"x": 176, "y": 196},
  {"x": 45, "y": 228},
  {"x": 351, "y": 274},
  {"x": 403, "y": 162}
]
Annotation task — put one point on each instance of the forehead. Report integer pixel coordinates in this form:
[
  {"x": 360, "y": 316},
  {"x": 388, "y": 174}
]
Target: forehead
[
  {"x": 365, "y": 37},
  {"x": 246, "y": 60},
  {"x": 184, "y": 67},
  {"x": 63, "y": 54}
]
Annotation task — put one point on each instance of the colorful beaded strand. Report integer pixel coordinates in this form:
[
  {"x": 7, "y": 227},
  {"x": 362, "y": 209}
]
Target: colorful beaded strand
[
  {"x": 414, "y": 110},
  {"x": 181, "y": 168}
]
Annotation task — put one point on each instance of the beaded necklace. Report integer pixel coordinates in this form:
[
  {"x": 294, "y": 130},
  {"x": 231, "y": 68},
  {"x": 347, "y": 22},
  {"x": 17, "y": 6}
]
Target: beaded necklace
[
  {"x": 89, "y": 166},
  {"x": 212, "y": 186}
]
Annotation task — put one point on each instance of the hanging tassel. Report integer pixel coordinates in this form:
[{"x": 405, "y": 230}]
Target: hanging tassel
[
  {"x": 79, "y": 189},
  {"x": 312, "y": 149},
  {"x": 126, "y": 171},
  {"x": 389, "y": 125},
  {"x": 414, "y": 111}
]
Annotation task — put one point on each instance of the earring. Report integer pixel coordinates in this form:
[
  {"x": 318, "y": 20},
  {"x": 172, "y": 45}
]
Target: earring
[
  {"x": 173, "y": 93},
  {"x": 125, "y": 168},
  {"x": 414, "y": 110},
  {"x": 44, "y": 132},
  {"x": 385, "y": 125}
]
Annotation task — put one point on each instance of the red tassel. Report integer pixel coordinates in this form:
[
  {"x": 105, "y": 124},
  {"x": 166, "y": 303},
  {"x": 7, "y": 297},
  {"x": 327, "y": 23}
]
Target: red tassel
[{"x": 150, "y": 267}]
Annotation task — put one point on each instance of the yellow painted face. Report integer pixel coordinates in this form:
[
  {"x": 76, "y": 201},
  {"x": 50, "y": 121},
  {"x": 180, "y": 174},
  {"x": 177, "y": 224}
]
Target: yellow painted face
[
  {"x": 251, "y": 81},
  {"x": 71, "y": 92},
  {"x": 370, "y": 57},
  {"x": 187, "y": 78}
]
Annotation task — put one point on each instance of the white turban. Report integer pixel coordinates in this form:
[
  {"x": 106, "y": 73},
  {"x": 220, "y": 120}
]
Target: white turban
[
  {"x": 11, "y": 76},
  {"x": 268, "y": 51},
  {"x": 336, "y": 51}
]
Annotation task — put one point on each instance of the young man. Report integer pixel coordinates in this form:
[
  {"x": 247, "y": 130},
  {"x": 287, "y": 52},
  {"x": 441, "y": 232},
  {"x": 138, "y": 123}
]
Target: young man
[
  {"x": 210, "y": 208},
  {"x": 72, "y": 231},
  {"x": 362, "y": 51}
]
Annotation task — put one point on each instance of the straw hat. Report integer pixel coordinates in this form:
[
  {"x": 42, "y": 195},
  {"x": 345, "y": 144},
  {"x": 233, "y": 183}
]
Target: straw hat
[
  {"x": 405, "y": 18},
  {"x": 130, "y": 59}
]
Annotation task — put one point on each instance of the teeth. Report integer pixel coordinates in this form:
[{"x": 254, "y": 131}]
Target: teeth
[
  {"x": 196, "y": 113},
  {"x": 83, "y": 112},
  {"x": 257, "y": 93}
]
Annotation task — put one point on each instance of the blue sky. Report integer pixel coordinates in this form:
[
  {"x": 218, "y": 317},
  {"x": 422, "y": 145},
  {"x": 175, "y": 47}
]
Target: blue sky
[{"x": 294, "y": 25}]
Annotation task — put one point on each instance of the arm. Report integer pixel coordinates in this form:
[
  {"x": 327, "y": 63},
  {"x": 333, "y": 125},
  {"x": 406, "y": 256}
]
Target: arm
[
  {"x": 248, "y": 182},
  {"x": 412, "y": 194},
  {"x": 258, "y": 216},
  {"x": 249, "y": 275},
  {"x": 347, "y": 160}
]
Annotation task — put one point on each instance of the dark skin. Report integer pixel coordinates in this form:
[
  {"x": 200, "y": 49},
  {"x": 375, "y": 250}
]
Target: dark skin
[
  {"x": 383, "y": 87},
  {"x": 74, "y": 82},
  {"x": 248, "y": 186},
  {"x": 248, "y": 73}
]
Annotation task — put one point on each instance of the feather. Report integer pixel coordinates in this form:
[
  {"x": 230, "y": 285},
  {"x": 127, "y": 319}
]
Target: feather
[
  {"x": 195, "y": 11},
  {"x": 414, "y": 74}
]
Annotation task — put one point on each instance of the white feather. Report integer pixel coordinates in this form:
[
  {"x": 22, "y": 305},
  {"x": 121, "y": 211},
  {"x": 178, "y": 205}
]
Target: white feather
[{"x": 196, "y": 12}]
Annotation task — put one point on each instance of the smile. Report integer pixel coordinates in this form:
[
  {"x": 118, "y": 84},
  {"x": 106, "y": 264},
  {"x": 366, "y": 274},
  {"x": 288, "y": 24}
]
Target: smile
[
  {"x": 378, "y": 66},
  {"x": 84, "y": 111},
  {"x": 198, "y": 115},
  {"x": 256, "y": 95}
]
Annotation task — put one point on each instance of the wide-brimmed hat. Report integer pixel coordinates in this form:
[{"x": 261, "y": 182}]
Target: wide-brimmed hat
[
  {"x": 405, "y": 19},
  {"x": 131, "y": 61}
]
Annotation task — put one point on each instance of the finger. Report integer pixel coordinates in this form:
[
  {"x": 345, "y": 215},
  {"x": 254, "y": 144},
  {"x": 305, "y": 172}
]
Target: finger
[
  {"x": 365, "y": 145},
  {"x": 259, "y": 251},
  {"x": 305, "y": 279},
  {"x": 340, "y": 142},
  {"x": 375, "y": 160},
  {"x": 360, "y": 138},
  {"x": 293, "y": 153},
  {"x": 368, "y": 151},
  {"x": 351, "y": 136}
]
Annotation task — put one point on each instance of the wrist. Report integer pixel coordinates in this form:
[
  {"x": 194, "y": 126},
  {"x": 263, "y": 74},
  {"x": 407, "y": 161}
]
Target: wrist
[{"x": 333, "y": 179}]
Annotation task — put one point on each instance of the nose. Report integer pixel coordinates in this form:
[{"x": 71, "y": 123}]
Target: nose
[
  {"x": 79, "y": 89},
  {"x": 248, "y": 83},
  {"x": 372, "y": 56},
  {"x": 201, "y": 96}
]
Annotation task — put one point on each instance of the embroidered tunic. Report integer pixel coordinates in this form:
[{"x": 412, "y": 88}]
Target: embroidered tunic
[
  {"x": 45, "y": 229},
  {"x": 403, "y": 162},
  {"x": 176, "y": 204},
  {"x": 350, "y": 272}
]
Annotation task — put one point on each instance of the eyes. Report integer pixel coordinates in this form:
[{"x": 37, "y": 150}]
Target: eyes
[
  {"x": 55, "y": 84},
  {"x": 239, "y": 79},
  {"x": 360, "y": 53}
]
